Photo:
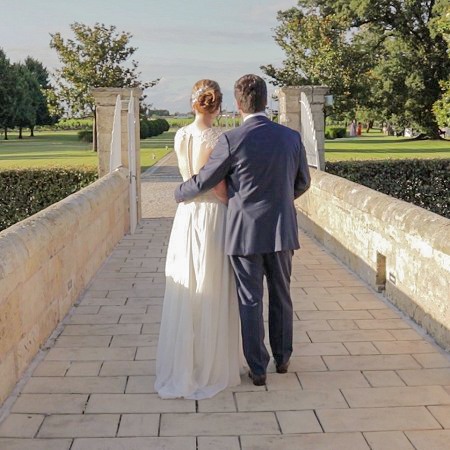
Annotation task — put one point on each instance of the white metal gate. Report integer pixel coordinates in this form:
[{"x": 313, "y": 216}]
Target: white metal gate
[
  {"x": 132, "y": 164},
  {"x": 115, "y": 159},
  {"x": 308, "y": 132}
]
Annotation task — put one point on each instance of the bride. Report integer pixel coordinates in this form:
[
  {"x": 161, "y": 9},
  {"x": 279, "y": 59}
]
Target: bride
[{"x": 198, "y": 349}]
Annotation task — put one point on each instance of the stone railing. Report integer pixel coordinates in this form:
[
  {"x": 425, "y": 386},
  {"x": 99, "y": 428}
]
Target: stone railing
[
  {"x": 398, "y": 248},
  {"x": 46, "y": 263}
]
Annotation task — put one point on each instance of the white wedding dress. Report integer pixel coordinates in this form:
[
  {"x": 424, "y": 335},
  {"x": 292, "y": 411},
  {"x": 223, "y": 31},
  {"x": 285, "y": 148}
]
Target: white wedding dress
[{"x": 199, "y": 342}]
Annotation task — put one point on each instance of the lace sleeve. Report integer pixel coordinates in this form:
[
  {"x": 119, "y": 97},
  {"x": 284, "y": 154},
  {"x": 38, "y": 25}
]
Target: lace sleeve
[{"x": 211, "y": 136}]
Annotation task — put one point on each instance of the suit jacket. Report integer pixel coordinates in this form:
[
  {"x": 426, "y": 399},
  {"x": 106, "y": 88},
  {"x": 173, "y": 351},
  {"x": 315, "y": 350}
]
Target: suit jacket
[{"x": 265, "y": 168}]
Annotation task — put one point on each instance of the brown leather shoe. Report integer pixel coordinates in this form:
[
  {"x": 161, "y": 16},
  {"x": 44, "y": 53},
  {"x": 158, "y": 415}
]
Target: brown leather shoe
[
  {"x": 258, "y": 380},
  {"x": 283, "y": 368}
]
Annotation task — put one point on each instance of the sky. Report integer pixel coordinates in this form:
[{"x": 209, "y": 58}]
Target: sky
[{"x": 178, "y": 41}]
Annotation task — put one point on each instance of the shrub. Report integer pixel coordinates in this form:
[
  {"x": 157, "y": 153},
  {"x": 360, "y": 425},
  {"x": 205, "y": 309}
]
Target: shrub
[
  {"x": 335, "y": 132},
  {"x": 144, "y": 128},
  {"x": 423, "y": 182},
  {"x": 86, "y": 135},
  {"x": 165, "y": 125},
  {"x": 155, "y": 127},
  {"x": 69, "y": 124},
  {"x": 177, "y": 122},
  {"x": 28, "y": 191}
]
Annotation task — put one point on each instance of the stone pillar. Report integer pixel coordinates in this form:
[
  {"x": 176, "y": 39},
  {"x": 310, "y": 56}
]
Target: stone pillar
[
  {"x": 105, "y": 102},
  {"x": 316, "y": 97},
  {"x": 312, "y": 128},
  {"x": 289, "y": 106}
]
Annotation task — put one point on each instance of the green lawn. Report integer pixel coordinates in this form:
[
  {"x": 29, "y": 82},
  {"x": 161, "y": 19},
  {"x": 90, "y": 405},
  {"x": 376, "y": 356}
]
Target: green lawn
[
  {"x": 62, "y": 148},
  {"x": 376, "y": 145}
]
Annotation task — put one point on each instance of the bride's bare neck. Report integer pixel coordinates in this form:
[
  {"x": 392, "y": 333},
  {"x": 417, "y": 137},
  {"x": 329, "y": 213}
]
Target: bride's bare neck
[{"x": 203, "y": 121}]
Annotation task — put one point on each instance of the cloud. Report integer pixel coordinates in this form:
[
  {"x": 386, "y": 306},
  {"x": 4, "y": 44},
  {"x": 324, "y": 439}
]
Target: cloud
[
  {"x": 268, "y": 11},
  {"x": 177, "y": 40},
  {"x": 206, "y": 36}
]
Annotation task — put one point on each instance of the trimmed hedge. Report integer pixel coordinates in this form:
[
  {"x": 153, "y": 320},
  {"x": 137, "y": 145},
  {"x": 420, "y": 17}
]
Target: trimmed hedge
[
  {"x": 67, "y": 124},
  {"x": 24, "y": 192},
  {"x": 86, "y": 135},
  {"x": 155, "y": 127},
  {"x": 423, "y": 182},
  {"x": 335, "y": 132}
]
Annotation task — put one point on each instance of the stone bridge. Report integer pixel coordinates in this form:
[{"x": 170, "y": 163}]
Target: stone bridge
[{"x": 363, "y": 375}]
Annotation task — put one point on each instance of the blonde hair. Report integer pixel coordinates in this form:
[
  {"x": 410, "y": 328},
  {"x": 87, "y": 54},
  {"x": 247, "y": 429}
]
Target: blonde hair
[{"x": 206, "y": 96}]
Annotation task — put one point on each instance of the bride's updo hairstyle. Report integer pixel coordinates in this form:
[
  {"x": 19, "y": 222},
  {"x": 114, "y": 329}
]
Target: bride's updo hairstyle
[{"x": 206, "y": 97}]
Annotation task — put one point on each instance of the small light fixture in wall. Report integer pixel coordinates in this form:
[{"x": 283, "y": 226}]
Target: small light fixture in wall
[
  {"x": 329, "y": 100},
  {"x": 380, "y": 279}
]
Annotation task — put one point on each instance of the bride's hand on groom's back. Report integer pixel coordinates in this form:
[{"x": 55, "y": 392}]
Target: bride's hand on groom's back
[{"x": 221, "y": 192}]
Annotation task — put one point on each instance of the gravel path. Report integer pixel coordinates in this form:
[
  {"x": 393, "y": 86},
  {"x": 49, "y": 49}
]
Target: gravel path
[{"x": 158, "y": 184}]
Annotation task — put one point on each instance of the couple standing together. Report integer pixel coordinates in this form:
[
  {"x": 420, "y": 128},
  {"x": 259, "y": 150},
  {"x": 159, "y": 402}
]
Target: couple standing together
[{"x": 235, "y": 223}]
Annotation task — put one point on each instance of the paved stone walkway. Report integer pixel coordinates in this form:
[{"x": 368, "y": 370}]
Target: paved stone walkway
[{"x": 362, "y": 377}]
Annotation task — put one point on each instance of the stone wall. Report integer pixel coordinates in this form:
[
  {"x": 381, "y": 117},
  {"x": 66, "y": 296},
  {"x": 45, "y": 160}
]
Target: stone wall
[
  {"x": 46, "y": 263},
  {"x": 398, "y": 248}
]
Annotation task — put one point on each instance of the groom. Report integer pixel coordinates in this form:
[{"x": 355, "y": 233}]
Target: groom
[{"x": 265, "y": 167}]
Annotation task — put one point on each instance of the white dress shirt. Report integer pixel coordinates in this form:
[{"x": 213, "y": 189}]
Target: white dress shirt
[{"x": 261, "y": 113}]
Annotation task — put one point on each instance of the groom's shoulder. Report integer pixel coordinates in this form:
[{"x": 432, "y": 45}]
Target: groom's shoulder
[
  {"x": 285, "y": 130},
  {"x": 233, "y": 132}
]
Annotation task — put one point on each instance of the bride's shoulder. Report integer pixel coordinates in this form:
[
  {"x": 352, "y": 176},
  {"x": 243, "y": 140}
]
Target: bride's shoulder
[
  {"x": 211, "y": 135},
  {"x": 181, "y": 134}
]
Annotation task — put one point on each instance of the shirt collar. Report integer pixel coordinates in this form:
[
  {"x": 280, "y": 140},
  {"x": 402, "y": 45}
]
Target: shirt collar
[{"x": 261, "y": 113}]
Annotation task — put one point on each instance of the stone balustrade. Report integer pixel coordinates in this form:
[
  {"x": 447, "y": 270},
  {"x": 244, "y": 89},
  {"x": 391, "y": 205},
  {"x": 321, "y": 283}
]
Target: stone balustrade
[
  {"x": 394, "y": 246},
  {"x": 48, "y": 260}
]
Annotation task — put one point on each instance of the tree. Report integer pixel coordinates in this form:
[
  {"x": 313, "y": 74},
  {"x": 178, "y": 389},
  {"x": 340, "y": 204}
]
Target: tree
[
  {"x": 442, "y": 106},
  {"x": 7, "y": 87},
  {"x": 22, "y": 99},
  {"x": 158, "y": 112},
  {"x": 407, "y": 59},
  {"x": 43, "y": 95},
  {"x": 26, "y": 97},
  {"x": 95, "y": 58},
  {"x": 318, "y": 52}
]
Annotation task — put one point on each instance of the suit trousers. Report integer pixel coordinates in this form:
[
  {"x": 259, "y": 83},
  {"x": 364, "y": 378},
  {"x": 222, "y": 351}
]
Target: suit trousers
[{"x": 249, "y": 272}]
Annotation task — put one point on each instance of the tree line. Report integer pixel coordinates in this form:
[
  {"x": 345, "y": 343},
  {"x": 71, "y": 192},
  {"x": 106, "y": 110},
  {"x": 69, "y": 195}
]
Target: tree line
[
  {"x": 24, "y": 95},
  {"x": 384, "y": 60},
  {"x": 97, "y": 56}
]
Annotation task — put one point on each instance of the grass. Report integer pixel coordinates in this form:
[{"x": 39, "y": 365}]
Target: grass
[
  {"x": 375, "y": 145},
  {"x": 63, "y": 149},
  {"x": 153, "y": 149}
]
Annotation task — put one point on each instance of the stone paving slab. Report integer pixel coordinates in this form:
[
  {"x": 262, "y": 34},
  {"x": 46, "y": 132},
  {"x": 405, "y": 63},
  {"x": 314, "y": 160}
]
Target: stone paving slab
[
  {"x": 35, "y": 444},
  {"x": 362, "y": 376},
  {"x": 376, "y": 419},
  {"x": 135, "y": 443},
  {"x": 83, "y": 425},
  {"x": 310, "y": 441},
  {"x": 381, "y": 440},
  {"x": 425, "y": 440},
  {"x": 133, "y": 425}
]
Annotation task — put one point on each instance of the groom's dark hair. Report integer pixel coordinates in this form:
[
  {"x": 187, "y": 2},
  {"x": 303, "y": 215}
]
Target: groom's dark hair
[{"x": 250, "y": 91}]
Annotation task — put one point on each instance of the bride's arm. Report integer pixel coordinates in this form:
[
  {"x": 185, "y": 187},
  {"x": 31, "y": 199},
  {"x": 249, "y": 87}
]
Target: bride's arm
[{"x": 221, "y": 192}]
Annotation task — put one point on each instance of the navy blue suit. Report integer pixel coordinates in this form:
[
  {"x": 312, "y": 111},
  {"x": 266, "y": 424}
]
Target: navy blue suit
[{"x": 265, "y": 167}]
